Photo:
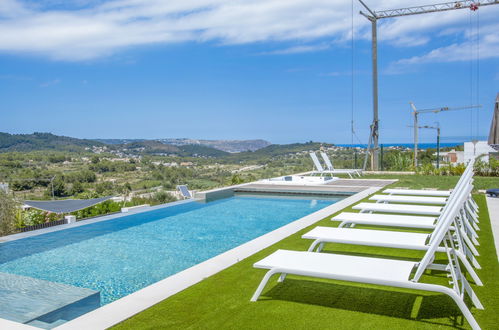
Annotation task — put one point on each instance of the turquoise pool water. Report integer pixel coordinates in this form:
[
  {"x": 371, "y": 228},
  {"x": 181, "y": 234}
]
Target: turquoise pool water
[{"x": 123, "y": 255}]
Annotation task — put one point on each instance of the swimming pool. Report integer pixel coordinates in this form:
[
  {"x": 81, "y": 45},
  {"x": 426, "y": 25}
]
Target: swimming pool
[{"x": 120, "y": 256}]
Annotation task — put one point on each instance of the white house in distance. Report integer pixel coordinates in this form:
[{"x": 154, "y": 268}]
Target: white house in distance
[
  {"x": 452, "y": 157},
  {"x": 471, "y": 150},
  {"x": 480, "y": 148}
]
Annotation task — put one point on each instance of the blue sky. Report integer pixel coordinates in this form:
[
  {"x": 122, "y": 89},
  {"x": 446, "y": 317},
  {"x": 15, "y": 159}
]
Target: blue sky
[{"x": 217, "y": 69}]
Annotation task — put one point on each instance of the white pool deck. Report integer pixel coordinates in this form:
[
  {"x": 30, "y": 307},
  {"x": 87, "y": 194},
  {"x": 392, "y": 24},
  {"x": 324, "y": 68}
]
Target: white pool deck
[
  {"x": 493, "y": 207},
  {"x": 122, "y": 309}
]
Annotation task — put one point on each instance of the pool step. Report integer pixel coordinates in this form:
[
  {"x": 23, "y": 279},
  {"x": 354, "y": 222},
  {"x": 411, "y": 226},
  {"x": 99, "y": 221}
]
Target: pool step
[{"x": 43, "y": 303}]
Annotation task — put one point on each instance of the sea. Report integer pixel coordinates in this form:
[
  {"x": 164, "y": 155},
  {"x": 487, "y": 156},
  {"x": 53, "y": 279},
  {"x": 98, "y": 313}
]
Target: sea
[{"x": 408, "y": 145}]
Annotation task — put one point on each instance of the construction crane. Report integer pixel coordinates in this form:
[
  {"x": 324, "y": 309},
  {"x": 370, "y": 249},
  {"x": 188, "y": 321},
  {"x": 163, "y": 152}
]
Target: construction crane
[
  {"x": 416, "y": 113},
  {"x": 373, "y": 16},
  {"x": 437, "y": 128}
]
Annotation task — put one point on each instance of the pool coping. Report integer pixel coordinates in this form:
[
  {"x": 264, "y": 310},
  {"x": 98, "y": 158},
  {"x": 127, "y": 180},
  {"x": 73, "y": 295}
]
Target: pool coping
[{"x": 124, "y": 308}]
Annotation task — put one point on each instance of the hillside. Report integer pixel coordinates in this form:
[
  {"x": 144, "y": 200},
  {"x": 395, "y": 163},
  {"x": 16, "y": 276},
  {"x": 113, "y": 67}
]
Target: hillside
[
  {"x": 178, "y": 147},
  {"x": 194, "y": 150},
  {"x": 160, "y": 148},
  {"x": 231, "y": 146},
  {"x": 276, "y": 150},
  {"x": 118, "y": 141},
  {"x": 148, "y": 147},
  {"x": 43, "y": 141}
]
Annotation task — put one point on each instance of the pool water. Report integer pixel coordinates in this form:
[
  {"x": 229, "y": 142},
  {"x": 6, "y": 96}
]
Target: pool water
[{"x": 120, "y": 256}]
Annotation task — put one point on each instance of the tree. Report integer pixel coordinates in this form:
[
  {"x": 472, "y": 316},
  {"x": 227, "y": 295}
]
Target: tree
[
  {"x": 77, "y": 188},
  {"x": 236, "y": 179},
  {"x": 59, "y": 187},
  {"x": 7, "y": 214}
]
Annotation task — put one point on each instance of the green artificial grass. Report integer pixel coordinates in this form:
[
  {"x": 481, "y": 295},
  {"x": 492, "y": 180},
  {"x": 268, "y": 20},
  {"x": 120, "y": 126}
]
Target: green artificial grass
[
  {"x": 435, "y": 181},
  {"x": 222, "y": 301}
]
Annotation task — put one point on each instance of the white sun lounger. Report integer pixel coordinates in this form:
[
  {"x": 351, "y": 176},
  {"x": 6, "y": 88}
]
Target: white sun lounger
[
  {"x": 421, "y": 192},
  {"x": 399, "y": 208},
  {"x": 390, "y": 220},
  {"x": 409, "y": 199},
  {"x": 348, "y": 219},
  {"x": 378, "y": 271},
  {"x": 389, "y": 239},
  {"x": 470, "y": 215},
  {"x": 320, "y": 170},
  {"x": 329, "y": 166},
  {"x": 470, "y": 212},
  {"x": 463, "y": 189},
  {"x": 393, "y": 239}
]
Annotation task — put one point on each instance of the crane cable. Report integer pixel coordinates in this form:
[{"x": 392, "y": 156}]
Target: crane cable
[
  {"x": 477, "y": 71},
  {"x": 352, "y": 78},
  {"x": 474, "y": 65}
]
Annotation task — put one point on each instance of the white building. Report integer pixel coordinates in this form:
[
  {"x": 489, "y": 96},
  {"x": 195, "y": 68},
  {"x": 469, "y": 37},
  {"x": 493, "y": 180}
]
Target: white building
[
  {"x": 452, "y": 157},
  {"x": 477, "y": 149}
]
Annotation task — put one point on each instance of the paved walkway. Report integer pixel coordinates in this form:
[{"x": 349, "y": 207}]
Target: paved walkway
[{"x": 493, "y": 206}]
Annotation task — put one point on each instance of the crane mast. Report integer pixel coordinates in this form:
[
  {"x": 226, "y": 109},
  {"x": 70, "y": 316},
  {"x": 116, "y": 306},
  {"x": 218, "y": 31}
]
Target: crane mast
[{"x": 373, "y": 16}]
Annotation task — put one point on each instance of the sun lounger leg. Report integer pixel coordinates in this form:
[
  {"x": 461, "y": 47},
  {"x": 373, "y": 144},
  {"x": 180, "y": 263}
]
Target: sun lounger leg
[
  {"x": 282, "y": 277},
  {"x": 472, "y": 232},
  {"x": 457, "y": 299},
  {"x": 471, "y": 293},
  {"x": 263, "y": 283},
  {"x": 469, "y": 267},
  {"x": 469, "y": 243},
  {"x": 345, "y": 224}
]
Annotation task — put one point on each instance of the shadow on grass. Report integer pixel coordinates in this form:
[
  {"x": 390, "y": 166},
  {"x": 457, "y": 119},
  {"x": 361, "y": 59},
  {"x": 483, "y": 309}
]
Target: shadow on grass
[{"x": 424, "y": 308}]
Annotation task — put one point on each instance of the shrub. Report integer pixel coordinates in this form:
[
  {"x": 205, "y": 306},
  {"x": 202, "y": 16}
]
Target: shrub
[
  {"x": 36, "y": 217},
  {"x": 7, "y": 214},
  {"x": 162, "y": 197}
]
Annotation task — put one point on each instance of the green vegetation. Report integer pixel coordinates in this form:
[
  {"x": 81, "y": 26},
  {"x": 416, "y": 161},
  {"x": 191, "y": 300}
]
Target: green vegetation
[
  {"x": 420, "y": 181},
  {"x": 42, "y": 141},
  {"x": 85, "y": 174},
  {"x": 8, "y": 210},
  {"x": 222, "y": 300}
]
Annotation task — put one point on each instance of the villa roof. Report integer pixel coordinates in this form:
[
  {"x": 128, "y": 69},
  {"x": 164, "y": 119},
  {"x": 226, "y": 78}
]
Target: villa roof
[{"x": 66, "y": 205}]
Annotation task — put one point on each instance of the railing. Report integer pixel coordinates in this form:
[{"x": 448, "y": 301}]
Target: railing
[{"x": 43, "y": 225}]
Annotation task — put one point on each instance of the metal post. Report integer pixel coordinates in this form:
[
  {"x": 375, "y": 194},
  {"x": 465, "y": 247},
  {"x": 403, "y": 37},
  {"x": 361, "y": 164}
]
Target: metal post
[
  {"x": 375, "y": 91},
  {"x": 355, "y": 158},
  {"x": 438, "y": 147},
  {"x": 381, "y": 159},
  {"x": 416, "y": 131},
  {"x": 52, "y": 184}
]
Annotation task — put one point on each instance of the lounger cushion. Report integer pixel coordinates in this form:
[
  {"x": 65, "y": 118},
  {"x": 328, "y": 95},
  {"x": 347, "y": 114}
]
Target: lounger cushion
[
  {"x": 341, "y": 267},
  {"x": 410, "y": 221},
  {"x": 399, "y": 208},
  {"x": 415, "y": 192},
  {"x": 369, "y": 237},
  {"x": 410, "y": 199}
]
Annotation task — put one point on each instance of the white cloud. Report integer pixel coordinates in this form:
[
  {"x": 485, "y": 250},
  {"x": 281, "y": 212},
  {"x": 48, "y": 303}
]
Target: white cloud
[
  {"x": 50, "y": 83},
  {"x": 462, "y": 51},
  {"x": 87, "y": 29},
  {"x": 298, "y": 49}
]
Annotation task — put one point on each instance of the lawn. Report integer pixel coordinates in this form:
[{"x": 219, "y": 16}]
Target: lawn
[{"x": 222, "y": 301}]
